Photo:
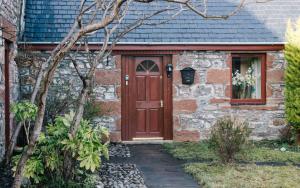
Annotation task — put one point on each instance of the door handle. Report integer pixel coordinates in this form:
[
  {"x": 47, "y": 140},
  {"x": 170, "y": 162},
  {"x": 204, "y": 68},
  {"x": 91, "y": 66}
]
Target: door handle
[
  {"x": 161, "y": 103},
  {"x": 126, "y": 79}
]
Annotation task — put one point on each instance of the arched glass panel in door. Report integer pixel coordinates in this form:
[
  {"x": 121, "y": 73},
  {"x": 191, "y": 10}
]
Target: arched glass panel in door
[{"x": 147, "y": 65}]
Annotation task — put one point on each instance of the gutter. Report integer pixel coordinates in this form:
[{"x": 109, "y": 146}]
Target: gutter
[{"x": 167, "y": 43}]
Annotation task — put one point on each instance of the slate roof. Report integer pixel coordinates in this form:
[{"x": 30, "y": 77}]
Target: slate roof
[{"x": 50, "y": 20}]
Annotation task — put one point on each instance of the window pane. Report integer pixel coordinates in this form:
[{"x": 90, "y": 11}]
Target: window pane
[
  {"x": 147, "y": 65},
  {"x": 140, "y": 68},
  {"x": 246, "y": 78},
  {"x": 154, "y": 68}
]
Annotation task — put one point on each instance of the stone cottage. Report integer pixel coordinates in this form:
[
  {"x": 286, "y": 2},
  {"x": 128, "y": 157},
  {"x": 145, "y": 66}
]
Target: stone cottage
[{"x": 146, "y": 88}]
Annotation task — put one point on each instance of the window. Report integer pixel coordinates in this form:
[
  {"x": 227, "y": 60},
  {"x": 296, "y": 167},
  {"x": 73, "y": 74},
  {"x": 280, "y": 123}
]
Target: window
[
  {"x": 147, "y": 65},
  {"x": 248, "y": 81}
]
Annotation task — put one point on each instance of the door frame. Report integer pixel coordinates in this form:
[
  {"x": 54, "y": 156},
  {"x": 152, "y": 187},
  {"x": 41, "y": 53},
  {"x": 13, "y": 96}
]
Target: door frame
[
  {"x": 126, "y": 129},
  {"x": 7, "y": 91}
]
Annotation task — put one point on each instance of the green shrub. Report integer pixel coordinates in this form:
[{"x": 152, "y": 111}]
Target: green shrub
[
  {"x": 46, "y": 163},
  {"x": 228, "y": 136},
  {"x": 25, "y": 112},
  {"x": 292, "y": 78}
]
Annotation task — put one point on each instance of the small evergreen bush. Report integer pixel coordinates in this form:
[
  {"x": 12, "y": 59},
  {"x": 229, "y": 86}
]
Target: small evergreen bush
[
  {"x": 228, "y": 137},
  {"x": 292, "y": 76}
]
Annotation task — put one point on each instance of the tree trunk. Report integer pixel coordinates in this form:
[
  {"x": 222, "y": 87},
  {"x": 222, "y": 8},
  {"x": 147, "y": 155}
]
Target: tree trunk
[
  {"x": 68, "y": 162},
  {"x": 33, "y": 138},
  {"x": 12, "y": 143},
  {"x": 56, "y": 56}
]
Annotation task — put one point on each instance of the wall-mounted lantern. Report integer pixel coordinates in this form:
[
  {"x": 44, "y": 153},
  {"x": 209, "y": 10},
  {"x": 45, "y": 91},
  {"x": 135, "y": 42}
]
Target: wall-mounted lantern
[
  {"x": 169, "y": 69},
  {"x": 187, "y": 75}
]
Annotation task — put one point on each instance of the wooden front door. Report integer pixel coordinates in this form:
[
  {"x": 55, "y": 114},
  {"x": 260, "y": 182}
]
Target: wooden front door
[{"x": 146, "y": 89}]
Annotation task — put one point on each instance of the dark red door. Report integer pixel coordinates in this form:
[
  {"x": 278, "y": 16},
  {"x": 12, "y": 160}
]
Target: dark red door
[{"x": 146, "y": 98}]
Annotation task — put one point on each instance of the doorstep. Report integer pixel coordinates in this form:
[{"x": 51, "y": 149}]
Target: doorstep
[{"x": 155, "y": 140}]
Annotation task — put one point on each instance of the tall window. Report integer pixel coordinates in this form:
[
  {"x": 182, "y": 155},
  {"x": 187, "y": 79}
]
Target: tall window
[{"x": 248, "y": 78}]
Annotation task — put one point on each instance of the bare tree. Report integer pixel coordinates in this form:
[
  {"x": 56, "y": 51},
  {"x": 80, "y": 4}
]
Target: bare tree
[{"x": 106, "y": 16}]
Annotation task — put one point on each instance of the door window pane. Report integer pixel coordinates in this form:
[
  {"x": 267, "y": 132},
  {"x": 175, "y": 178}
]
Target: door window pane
[{"x": 147, "y": 65}]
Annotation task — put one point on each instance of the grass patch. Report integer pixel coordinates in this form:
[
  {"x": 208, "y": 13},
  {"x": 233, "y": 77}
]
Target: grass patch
[
  {"x": 263, "y": 154},
  {"x": 191, "y": 151},
  {"x": 216, "y": 175},
  {"x": 255, "y": 153}
]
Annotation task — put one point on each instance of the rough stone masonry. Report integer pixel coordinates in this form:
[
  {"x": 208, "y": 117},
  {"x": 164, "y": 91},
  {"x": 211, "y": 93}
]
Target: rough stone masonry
[
  {"x": 67, "y": 85},
  {"x": 195, "y": 107}
]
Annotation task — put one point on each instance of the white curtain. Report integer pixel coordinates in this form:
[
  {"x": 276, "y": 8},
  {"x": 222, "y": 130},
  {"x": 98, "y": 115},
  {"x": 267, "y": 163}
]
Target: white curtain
[{"x": 256, "y": 66}]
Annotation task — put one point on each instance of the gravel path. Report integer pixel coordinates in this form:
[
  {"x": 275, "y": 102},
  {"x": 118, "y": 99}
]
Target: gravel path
[
  {"x": 120, "y": 175},
  {"x": 125, "y": 175},
  {"x": 118, "y": 150}
]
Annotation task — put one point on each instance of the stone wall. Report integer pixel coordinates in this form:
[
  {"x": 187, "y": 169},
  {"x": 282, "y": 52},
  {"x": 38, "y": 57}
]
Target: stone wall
[
  {"x": 9, "y": 14},
  {"x": 67, "y": 85},
  {"x": 197, "y": 107}
]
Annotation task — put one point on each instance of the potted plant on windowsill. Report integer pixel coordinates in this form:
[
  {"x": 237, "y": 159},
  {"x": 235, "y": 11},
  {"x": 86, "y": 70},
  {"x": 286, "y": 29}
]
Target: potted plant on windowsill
[{"x": 243, "y": 85}]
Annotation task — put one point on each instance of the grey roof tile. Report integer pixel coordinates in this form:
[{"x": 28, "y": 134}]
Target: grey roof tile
[{"x": 50, "y": 20}]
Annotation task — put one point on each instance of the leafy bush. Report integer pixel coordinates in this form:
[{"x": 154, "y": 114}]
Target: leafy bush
[
  {"x": 46, "y": 164},
  {"x": 24, "y": 112},
  {"x": 228, "y": 136},
  {"x": 292, "y": 78}
]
